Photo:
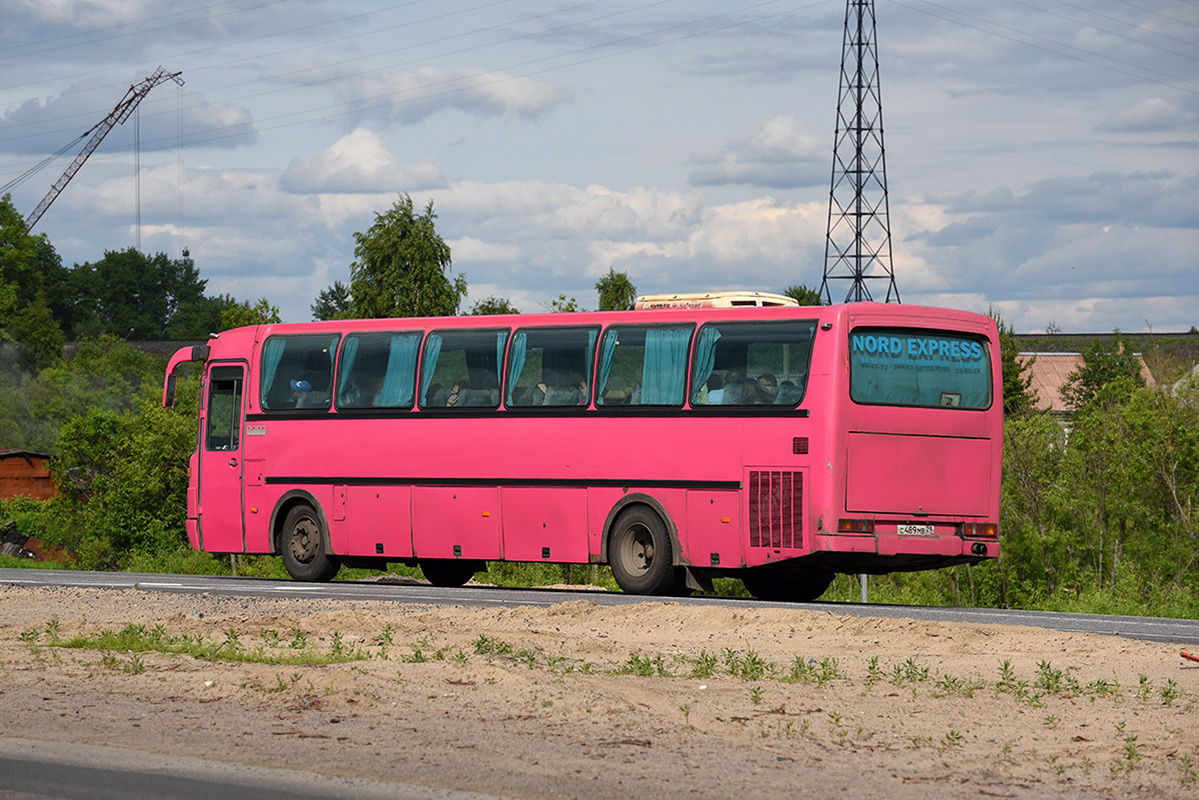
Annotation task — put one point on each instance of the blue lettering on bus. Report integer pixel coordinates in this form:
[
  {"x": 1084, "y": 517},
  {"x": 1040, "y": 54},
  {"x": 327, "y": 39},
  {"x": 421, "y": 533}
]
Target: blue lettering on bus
[{"x": 920, "y": 347}]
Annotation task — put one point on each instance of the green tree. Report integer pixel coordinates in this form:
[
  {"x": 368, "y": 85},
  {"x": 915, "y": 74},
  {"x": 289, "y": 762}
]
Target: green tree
[
  {"x": 240, "y": 315},
  {"x": 1034, "y": 544},
  {"x": 401, "y": 267},
  {"x": 20, "y": 258},
  {"x": 803, "y": 295},
  {"x": 37, "y": 335},
  {"x": 105, "y": 373},
  {"x": 616, "y": 291},
  {"x": 124, "y": 482},
  {"x": 334, "y": 302},
  {"x": 1018, "y": 395},
  {"x": 564, "y": 305},
  {"x": 493, "y": 305},
  {"x": 1105, "y": 362},
  {"x": 132, "y": 295},
  {"x": 197, "y": 319}
]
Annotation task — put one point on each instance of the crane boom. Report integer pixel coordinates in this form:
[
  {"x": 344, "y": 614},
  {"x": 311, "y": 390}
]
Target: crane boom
[{"x": 118, "y": 115}]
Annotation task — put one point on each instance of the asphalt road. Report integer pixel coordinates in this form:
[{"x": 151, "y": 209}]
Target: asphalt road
[{"x": 1155, "y": 629}]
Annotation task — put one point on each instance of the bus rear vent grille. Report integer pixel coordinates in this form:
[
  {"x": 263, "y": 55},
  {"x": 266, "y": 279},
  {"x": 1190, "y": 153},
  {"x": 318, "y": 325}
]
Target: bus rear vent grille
[{"x": 775, "y": 509}]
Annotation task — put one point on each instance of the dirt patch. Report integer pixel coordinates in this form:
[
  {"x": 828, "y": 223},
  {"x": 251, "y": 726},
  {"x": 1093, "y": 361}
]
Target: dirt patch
[{"x": 650, "y": 700}]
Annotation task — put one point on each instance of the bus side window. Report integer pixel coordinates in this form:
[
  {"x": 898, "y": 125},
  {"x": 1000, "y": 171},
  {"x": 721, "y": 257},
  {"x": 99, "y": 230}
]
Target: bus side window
[
  {"x": 378, "y": 370},
  {"x": 550, "y": 367},
  {"x": 751, "y": 363},
  {"x": 297, "y": 372},
  {"x": 461, "y": 369},
  {"x": 643, "y": 365}
]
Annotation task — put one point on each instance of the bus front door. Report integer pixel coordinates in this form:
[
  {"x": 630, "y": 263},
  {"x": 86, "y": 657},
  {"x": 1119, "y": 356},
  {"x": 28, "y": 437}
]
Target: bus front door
[{"x": 221, "y": 462}]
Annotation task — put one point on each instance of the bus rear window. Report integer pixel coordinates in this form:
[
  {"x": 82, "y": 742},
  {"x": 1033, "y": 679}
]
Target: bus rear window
[{"x": 891, "y": 366}]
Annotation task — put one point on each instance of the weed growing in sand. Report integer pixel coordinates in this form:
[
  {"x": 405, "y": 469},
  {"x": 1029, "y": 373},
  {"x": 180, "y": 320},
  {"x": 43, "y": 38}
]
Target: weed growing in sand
[
  {"x": 645, "y": 667},
  {"x": 909, "y": 672},
  {"x": 953, "y": 685},
  {"x": 1131, "y": 755},
  {"x": 131, "y": 666},
  {"x": 298, "y": 640},
  {"x": 486, "y": 645},
  {"x": 1055, "y": 681},
  {"x": 952, "y": 739},
  {"x": 755, "y": 695},
  {"x": 704, "y": 665},
  {"x": 874, "y": 673},
  {"x": 1186, "y": 765},
  {"x": 136, "y": 639}
]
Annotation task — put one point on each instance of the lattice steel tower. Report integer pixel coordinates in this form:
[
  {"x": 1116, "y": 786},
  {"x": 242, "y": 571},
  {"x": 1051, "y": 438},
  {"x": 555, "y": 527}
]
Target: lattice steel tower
[{"x": 858, "y": 248}]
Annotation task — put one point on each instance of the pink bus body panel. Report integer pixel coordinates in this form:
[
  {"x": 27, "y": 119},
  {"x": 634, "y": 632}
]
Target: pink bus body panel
[
  {"x": 735, "y": 490},
  {"x": 890, "y": 473}
]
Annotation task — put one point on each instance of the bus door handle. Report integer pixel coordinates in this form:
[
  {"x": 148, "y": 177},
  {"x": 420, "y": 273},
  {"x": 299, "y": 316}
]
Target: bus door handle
[{"x": 233, "y": 462}]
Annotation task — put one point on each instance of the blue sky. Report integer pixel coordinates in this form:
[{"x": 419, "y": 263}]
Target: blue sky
[{"x": 1042, "y": 157}]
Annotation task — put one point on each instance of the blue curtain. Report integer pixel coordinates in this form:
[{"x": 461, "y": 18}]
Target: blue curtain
[
  {"x": 516, "y": 363},
  {"x": 611, "y": 339},
  {"x": 705, "y": 360},
  {"x": 501, "y": 338},
  {"x": 432, "y": 351},
  {"x": 272, "y": 354},
  {"x": 348, "y": 354},
  {"x": 401, "y": 371},
  {"x": 663, "y": 374}
]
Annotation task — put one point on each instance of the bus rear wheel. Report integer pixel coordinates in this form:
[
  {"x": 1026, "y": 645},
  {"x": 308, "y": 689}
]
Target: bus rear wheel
[
  {"x": 449, "y": 572},
  {"x": 787, "y": 585},
  {"x": 639, "y": 551},
  {"x": 303, "y": 547}
]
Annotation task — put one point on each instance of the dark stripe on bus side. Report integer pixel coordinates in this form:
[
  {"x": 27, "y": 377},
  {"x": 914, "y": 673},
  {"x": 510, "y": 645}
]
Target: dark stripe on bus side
[
  {"x": 491, "y": 413},
  {"x": 501, "y": 482}
]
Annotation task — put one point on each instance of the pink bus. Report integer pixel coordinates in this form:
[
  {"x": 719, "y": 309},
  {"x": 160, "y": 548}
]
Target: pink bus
[{"x": 779, "y": 445}]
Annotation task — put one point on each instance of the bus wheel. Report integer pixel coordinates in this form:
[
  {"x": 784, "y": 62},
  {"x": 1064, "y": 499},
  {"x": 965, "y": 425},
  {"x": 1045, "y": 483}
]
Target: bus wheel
[
  {"x": 449, "y": 572},
  {"x": 787, "y": 585},
  {"x": 303, "y": 550},
  {"x": 640, "y": 553}
]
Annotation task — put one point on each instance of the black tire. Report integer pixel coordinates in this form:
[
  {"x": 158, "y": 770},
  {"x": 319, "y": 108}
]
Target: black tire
[
  {"x": 640, "y": 552},
  {"x": 787, "y": 585},
  {"x": 303, "y": 546},
  {"x": 449, "y": 572}
]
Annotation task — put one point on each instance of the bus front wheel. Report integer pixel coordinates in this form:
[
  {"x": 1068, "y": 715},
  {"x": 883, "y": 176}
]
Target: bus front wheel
[
  {"x": 303, "y": 547},
  {"x": 639, "y": 551}
]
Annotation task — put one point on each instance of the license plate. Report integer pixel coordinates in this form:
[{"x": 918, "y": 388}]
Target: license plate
[{"x": 916, "y": 530}]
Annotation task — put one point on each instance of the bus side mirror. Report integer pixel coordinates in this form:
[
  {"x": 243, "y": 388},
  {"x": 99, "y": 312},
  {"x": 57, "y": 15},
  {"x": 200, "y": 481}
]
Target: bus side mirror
[{"x": 168, "y": 392}]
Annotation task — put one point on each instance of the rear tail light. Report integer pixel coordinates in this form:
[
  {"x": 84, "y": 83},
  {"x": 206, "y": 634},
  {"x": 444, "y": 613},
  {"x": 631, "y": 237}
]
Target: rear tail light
[
  {"x": 855, "y": 526},
  {"x": 980, "y": 530}
]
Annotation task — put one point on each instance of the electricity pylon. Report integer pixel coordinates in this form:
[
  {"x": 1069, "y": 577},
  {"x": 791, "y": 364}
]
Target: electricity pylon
[{"x": 858, "y": 247}]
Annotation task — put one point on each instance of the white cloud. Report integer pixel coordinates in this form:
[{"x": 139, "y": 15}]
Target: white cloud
[
  {"x": 1153, "y": 114},
  {"x": 359, "y": 163},
  {"x": 784, "y": 154},
  {"x": 409, "y": 97}
]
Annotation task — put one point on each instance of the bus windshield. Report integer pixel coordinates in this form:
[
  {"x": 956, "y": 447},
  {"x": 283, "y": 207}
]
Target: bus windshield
[{"x": 898, "y": 367}]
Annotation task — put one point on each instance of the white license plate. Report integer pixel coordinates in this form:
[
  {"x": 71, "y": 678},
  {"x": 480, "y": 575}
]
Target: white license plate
[{"x": 916, "y": 530}]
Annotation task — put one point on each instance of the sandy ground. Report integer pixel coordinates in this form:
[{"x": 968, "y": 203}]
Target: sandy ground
[{"x": 654, "y": 700}]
